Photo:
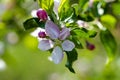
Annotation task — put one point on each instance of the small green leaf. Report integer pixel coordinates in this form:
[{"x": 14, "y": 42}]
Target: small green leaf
[
  {"x": 30, "y": 23},
  {"x": 82, "y": 3},
  {"x": 84, "y": 33},
  {"x": 108, "y": 20},
  {"x": 73, "y": 1},
  {"x": 71, "y": 57},
  {"x": 33, "y": 23},
  {"x": 94, "y": 9},
  {"x": 85, "y": 17},
  {"x": 64, "y": 10},
  {"x": 76, "y": 9},
  {"x": 109, "y": 43},
  {"x": 41, "y": 24},
  {"x": 77, "y": 42},
  {"x": 83, "y": 12},
  {"x": 46, "y": 4},
  {"x": 80, "y": 33},
  {"x": 92, "y": 33}
]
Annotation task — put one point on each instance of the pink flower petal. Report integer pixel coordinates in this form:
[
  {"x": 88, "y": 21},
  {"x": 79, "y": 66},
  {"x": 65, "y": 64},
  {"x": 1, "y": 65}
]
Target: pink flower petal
[
  {"x": 57, "y": 55},
  {"x": 45, "y": 45},
  {"x": 68, "y": 45},
  {"x": 52, "y": 30},
  {"x": 64, "y": 33}
]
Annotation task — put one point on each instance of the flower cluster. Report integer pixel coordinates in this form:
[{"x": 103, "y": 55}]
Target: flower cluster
[
  {"x": 63, "y": 28},
  {"x": 54, "y": 37}
]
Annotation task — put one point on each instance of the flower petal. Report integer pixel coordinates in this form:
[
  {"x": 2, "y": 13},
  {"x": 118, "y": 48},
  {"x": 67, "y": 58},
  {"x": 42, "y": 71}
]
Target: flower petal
[
  {"x": 68, "y": 45},
  {"x": 57, "y": 55},
  {"x": 56, "y": 5},
  {"x": 45, "y": 45},
  {"x": 64, "y": 33},
  {"x": 33, "y": 13},
  {"x": 52, "y": 30},
  {"x": 35, "y": 33}
]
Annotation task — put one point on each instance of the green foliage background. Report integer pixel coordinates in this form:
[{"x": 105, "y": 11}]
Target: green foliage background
[{"x": 24, "y": 61}]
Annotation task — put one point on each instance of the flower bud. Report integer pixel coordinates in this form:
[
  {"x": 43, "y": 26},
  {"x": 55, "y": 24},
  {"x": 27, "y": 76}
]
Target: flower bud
[
  {"x": 41, "y": 34},
  {"x": 42, "y": 15},
  {"x": 90, "y": 46}
]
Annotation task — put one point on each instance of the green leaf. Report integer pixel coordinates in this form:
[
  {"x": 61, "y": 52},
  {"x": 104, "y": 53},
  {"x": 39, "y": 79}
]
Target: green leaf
[
  {"x": 41, "y": 24},
  {"x": 84, "y": 33},
  {"x": 109, "y": 43},
  {"x": 82, "y": 3},
  {"x": 30, "y": 23},
  {"x": 77, "y": 42},
  {"x": 80, "y": 33},
  {"x": 33, "y": 23},
  {"x": 85, "y": 12},
  {"x": 73, "y": 1},
  {"x": 64, "y": 10},
  {"x": 94, "y": 9},
  {"x": 71, "y": 57},
  {"x": 76, "y": 9},
  {"x": 92, "y": 33},
  {"x": 108, "y": 20},
  {"x": 53, "y": 17},
  {"x": 85, "y": 17},
  {"x": 46, "y": 4}
]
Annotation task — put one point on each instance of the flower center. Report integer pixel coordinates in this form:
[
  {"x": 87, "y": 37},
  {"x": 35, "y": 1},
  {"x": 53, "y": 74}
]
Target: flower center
[{"x": 58, "y": 42}]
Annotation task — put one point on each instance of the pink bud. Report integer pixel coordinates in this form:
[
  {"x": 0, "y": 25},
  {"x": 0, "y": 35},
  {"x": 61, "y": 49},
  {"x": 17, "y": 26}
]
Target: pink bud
[
  {"x": 42, "y": 15},
  {"x": 90, "y": 46},
  {"x": 42, "y": 34}
]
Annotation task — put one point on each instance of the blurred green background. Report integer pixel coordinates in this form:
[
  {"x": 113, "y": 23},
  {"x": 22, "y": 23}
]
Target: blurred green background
[{"x": 20, "y": 59}]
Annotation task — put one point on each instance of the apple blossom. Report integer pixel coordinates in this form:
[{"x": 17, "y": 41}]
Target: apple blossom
[{"x": 57, "y": 40}]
